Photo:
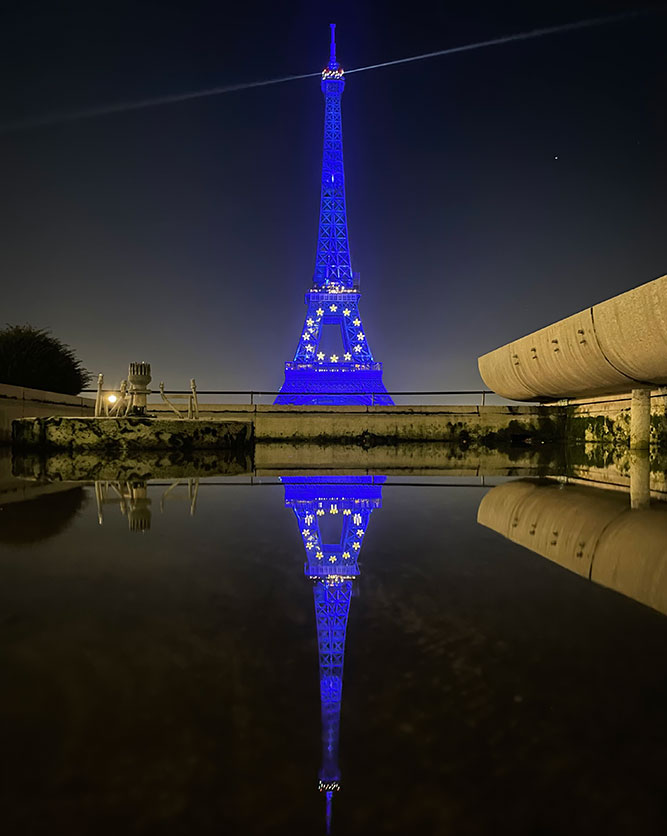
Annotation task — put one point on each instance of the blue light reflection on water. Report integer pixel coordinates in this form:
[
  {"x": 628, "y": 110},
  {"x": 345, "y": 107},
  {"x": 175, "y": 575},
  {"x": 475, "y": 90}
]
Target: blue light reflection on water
[{"x": 169, "y": 679}]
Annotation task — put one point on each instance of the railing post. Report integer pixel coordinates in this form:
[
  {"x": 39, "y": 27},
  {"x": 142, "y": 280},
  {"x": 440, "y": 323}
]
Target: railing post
[
  {"x": 99, "y": 396},
  {"x": 483, "y": 398},
  {"x": 252, "y": 398}
]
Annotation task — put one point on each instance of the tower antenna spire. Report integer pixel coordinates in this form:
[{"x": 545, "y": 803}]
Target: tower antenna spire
[{"x": 333, "y": 64}]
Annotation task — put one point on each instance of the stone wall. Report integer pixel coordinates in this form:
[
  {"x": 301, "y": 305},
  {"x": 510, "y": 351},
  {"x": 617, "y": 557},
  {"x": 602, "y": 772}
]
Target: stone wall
[
  {"x": 601, "y": 420},
  {"x": 368, "y": 425},
  {"x": 64, "y": 433},
  {"x": 607, "y": 420},
  {"x": 20, "y": 402}
]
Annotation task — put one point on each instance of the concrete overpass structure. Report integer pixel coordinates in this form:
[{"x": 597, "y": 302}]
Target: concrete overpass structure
[{"x": 617, "y": 346}]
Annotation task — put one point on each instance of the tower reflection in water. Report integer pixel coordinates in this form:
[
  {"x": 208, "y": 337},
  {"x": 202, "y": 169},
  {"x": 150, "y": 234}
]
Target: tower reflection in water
[{"x": 332, "y": 564}]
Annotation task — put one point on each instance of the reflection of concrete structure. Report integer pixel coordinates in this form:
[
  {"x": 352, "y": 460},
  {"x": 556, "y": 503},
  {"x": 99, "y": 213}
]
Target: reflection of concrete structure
[
  {"x": 36, "y": 512},
  {"x": 589, "y": 531}
]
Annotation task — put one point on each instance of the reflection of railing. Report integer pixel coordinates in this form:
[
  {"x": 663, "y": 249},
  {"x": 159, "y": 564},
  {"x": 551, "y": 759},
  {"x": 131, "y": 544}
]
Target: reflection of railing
[
  {"x": 251, "y": 395},
  {"x": 134, "y": 502}
]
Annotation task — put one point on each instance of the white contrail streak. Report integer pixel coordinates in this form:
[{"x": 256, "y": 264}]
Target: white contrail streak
[
  {"x": 122, "y": 107},
  {"x": 506, "y": 39},
  {"x": 140, "y": 104}
]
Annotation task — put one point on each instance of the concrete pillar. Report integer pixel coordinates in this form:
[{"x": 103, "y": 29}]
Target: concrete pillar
[
  {"x": 640, "y": 419},
  {"x": 640, "y": 480}
]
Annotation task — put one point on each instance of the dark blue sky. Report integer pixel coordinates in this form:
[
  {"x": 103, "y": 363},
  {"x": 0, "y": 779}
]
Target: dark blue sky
[{"x": 185, "y": 234}]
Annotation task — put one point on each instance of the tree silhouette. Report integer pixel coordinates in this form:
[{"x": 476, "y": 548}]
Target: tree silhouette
[{"x": 33, "y": 358}]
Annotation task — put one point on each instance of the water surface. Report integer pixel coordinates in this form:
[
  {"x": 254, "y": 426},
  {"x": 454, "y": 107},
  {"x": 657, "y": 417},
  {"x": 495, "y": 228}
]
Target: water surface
[{"x": 162, "y": 672}]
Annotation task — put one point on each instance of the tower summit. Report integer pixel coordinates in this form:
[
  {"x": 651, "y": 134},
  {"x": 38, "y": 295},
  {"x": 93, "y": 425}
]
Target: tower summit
[{"x": 349, "y": 375}]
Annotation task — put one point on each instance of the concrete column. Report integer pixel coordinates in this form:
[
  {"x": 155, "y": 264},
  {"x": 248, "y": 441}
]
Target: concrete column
[
  {"x": 640, "y": 419},
  {"x": 640, "y": 480}
]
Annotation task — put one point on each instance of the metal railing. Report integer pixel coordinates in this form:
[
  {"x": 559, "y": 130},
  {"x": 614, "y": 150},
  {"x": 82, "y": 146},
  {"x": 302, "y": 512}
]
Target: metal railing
[{"x": 253, "y": 394}]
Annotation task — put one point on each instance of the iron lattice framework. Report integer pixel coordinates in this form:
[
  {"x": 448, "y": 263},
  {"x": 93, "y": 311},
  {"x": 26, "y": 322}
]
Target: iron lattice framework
[
  {"x": 333, "y": 567},
  {"x": 353, "y": 376}
]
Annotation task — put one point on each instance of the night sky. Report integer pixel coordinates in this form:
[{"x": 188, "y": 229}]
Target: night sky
[{"x": 489, "y": 193}]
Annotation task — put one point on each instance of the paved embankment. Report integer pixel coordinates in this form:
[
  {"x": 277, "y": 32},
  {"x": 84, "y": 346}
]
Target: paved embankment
[
  {"x": 600, "y": 420},
  {"x": 391, "y": 424},
  {"x": 228, "y": 426}
]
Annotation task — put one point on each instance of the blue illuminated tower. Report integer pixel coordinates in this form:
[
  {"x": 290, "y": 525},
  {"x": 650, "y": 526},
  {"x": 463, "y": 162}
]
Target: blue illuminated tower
[
  {"x": 333, "y": 300},
  {"x": 333, "y": 568}
]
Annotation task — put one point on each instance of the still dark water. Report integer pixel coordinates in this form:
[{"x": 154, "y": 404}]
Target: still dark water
[{"x": 161, "y": 670}]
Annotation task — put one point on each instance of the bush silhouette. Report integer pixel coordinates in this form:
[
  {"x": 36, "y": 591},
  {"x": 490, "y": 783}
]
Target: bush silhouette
[{"x": 31, "y": 357}]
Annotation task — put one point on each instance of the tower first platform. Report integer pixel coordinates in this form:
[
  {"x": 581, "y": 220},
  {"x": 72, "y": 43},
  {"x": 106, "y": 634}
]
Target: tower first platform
[{"x": 353, "y": 376}]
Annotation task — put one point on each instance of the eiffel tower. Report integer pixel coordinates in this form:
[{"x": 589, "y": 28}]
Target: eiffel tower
[
  {"x": 333, "y": 568},
  {"x": 353, "y": 376}
]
